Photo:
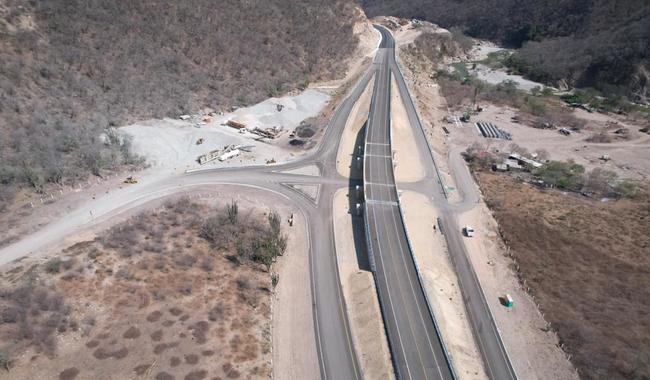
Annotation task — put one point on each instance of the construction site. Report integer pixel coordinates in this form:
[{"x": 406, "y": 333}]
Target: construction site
[
  {"x": 429, "y": 213},
  {"x": 256, "y": 135}
]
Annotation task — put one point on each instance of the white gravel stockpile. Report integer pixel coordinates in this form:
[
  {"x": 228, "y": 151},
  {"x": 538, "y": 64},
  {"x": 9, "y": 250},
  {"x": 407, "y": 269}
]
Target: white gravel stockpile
[
  {"x": 171, "y": 144},
  {"x": 296, "y": 109}
]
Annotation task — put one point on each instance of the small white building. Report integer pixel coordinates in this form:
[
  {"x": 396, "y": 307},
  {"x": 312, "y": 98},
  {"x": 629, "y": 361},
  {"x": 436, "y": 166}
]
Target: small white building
[{"x": 524, "y": 161}]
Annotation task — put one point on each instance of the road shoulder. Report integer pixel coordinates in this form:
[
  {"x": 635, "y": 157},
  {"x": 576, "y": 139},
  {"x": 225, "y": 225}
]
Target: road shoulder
[{"x": 360, "y": 297}]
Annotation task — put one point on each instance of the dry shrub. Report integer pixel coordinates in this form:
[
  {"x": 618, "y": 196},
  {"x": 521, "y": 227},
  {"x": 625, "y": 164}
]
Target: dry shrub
[
  {"x": 175, "y": 311},
  {"x": 69, "y": 373},
  {"x": 141, "y": 369},
  {"x": 164, "y": 376},
  {"x": 33, "y": 313},
  {"x": 196, "y": 375},
  {"x": 103, "y": 353},
  {"x": 154, "y": 316},
  {"x": 191, "y": 359},
  {"x": 219, "y": 312},
  {"x": 162, "y": 347},
  {"x": 132, "y": 333},
  {"x": 456, "y": 93},
  {"x": 230, "y": 371},
  {"x": 185, "y": 260},
  {"x": 200, "y": 331},
  {"x": 157, "y": 335}
]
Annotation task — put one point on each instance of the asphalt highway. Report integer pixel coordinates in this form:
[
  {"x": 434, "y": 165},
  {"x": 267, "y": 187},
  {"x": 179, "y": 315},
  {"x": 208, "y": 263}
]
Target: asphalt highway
[
  {"x": 415, "y": 345},
  {"x": 336, "y": 354},
  {"x": 416, "y": 348},
  {"x": 484, "y": 329}
]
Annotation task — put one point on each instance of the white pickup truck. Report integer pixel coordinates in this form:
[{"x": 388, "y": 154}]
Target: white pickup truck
[{"x": 468, "y": 231}]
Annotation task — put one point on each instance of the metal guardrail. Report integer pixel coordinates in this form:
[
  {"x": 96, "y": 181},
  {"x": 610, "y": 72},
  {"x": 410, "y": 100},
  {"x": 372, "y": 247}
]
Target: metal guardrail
[
  {"x": 371, "y": 256},
  {"x": 448, "y": 355},
  {"x": 475, "y": 277}
]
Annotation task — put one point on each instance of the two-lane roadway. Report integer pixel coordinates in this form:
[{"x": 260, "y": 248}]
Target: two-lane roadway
[{"x": 416, "y": 347}]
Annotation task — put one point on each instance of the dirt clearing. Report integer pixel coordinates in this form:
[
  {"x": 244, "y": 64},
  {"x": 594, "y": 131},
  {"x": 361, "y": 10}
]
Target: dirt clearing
[
  {"x": 586, "y": 264},
  {"x": 408, "y": 167},
  {"x": 357, "y": 120}
]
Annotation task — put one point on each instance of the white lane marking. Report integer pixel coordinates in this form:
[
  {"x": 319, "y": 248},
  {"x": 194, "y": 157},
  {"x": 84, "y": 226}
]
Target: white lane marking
[
  {"x": 404, "y": 243},
  {"x": 378, "y": 155},
  {"x": 400, "y": 291},
  {"x": 379, "y": 184},
  {"x": 388, "y": 170},
  {"x": 381, "y": 203},
  {"x": 379, "y": 144},
  {"x": 390, "y": 302}
]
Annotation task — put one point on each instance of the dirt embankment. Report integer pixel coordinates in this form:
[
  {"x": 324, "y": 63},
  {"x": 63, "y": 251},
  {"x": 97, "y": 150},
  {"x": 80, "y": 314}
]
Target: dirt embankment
[
  {"x": 586, "y": 264},
  {"x": 181, "y": 292}
]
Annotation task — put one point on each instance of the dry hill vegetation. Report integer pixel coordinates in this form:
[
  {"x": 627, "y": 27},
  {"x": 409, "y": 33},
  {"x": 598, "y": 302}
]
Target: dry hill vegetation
[
  {"x": 430, "y": 52},
  {"x": 71, "y": 69},
  {"x": 166, "y": 295},
  {"x": 587, "y": 43},
  {"x": 587, "y": 264}
]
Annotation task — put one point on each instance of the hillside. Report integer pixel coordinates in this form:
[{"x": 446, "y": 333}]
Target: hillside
[
  {"x": 587, "y": 43},
  {"x": 70, "y": 69}
]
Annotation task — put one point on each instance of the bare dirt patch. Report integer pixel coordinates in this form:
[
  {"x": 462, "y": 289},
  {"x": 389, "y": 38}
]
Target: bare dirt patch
[
  {"x": 356, "y": 121},
  {"x": 441, "y": 284},
  {"x": 141, "y": 299},
  {"x": 585, "y": 262},
  {"x": 408, "y": 168}
]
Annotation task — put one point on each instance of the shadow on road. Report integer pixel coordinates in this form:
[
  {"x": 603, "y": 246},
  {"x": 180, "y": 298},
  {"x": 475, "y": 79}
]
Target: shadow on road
[{"x": 356, "y": 179}]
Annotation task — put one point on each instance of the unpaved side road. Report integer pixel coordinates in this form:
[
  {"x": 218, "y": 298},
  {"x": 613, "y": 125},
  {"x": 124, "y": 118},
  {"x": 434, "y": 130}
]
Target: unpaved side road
[
  {"x": 360, "y": 295},
  {"x": 294, "y": 351}
]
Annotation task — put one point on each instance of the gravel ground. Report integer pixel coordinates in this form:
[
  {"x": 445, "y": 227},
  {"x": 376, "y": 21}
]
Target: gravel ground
[{"x": 171, "y": 145}]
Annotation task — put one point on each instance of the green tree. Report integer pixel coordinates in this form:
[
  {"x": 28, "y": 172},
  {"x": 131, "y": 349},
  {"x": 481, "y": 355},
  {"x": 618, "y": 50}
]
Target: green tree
[{"x": 566, "y": 175}]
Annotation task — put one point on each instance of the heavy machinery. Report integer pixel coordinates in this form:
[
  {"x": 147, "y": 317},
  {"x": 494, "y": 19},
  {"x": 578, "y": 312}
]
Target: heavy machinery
[
  {"x": 468, "y": 231},
  {"x": 199, "y": 141},
  {"x": 130, "y": 180}
]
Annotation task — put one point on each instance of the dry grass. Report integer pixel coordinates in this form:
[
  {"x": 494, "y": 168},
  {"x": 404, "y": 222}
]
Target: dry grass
[
  {"x": 587, "y": 265},
  {"x": 147, "y": 305}
]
